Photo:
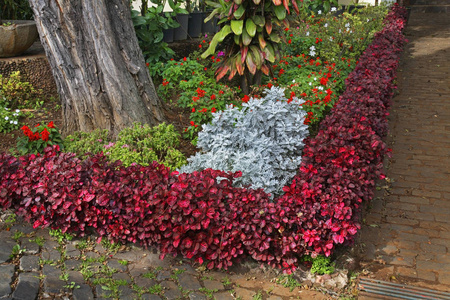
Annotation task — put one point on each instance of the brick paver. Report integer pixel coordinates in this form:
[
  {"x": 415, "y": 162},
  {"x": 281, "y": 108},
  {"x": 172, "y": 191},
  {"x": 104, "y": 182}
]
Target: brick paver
[{"x": 407, "y": 230}]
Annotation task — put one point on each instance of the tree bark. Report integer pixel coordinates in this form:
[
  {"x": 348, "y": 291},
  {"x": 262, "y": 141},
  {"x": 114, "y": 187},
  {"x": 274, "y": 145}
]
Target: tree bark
[{"x": 97, "y": 64}]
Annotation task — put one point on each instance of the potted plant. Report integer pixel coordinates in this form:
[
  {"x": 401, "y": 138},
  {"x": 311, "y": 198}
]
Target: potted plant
[
  {"x": 16, "y": 36},
  {"x": 196, "y": 18}
]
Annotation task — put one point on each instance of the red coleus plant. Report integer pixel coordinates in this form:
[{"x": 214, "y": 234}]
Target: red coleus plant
[{"x": 201, "y": 215}]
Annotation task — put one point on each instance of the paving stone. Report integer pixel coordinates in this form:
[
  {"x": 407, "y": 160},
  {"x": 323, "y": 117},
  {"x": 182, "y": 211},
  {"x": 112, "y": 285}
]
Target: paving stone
[
  {"x": 137, "y": 270},
  {"x": 75, "y": 276},
  {"x": 426, "y": 275},
  {"x": 27, "y": 286},
  {"x": 163, "y": 275},
  {"x": 29, "y": 263},
  {"x": 24, "y": 228},
  {"x": 133, "y": 255},
  {"x": 102, "y": 293},
  {"x": 122, "y": 276},
  {"x": 274, "y": 297},
  {"x": 114, "y": 264},
  {"x": 244, "y": 293},
  {"x": 444, "y": 278},
  {"x": 223, "y": 296},
  {"x": 6, "y": 250},
  {"x": 127, "y": 293},
  {"x": 152, "y": 259},
  {"x": 150, "y": 297},
  {"x": 29, "y": 246},
  {"x": 52, "y": 283},
  {"x": 72, "y": 264},
  {"x": 213, "y": 285},
  {"x": 52, "y": 255},
  {"x": 188, "y": 282},
  {"x": 6, "y": 275},
  {"x": 144, "y": 281},
  {"x": 197, "y": 296},
  {"x": 50, "y": 245},
  {"x": 171, "y": 290},
  {"x": 72, "y": 251},
  {"x": 186, "y": 268},
  {"x": 91, "y": 254},
  {"x": 84, "y": 292}
]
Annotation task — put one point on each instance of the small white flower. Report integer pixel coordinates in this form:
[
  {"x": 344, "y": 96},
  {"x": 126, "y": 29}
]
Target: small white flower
[
  {"x": 15, "y": 122},
  {"x": 17, "y": 110},
  {"x": 293, "y": 80},
  {"x": 11, "y": 122},
  {"x": 351, "y": 31},
  {"x": 315, "y": 78},
  {"x": 6, "y": 118},
  {"x": 312, "y": 48},
  {"x": 340, "y": 31},
  {"x": 333, "y": 9},
  {"x": 320, "y": 88},
  {"x": 347, "y": 25},
  {"x": 307, "y": 33},
  {"x": 331, "y": 39},
  {"x": 6, "y": 108},
  {"x": 326, "y": 25},
  {"x": 368, "y": 20},
  {"x": 319, "y": 12},
  {"x": 310, "y": 83},
  {"x": 312, "y": 53}
]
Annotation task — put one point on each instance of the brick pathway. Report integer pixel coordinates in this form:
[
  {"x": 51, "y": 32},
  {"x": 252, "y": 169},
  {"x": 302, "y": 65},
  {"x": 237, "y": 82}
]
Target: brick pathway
[{"x": 406, "y": 236}]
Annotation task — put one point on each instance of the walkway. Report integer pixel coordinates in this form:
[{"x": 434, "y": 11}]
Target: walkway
[{"x": 406, "y": 236}]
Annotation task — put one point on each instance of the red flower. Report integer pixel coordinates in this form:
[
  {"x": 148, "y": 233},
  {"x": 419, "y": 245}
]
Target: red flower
[
  {"x": 45, "y": 135},
  {"x": 184, "y": 58},
  {"x": 269, "y": 85},
  {"x": 200, "y": 46},
  {"x": 213, "y": 97},
  {"x": 220, "y": 92},
  {"x": 147, "y": 64},
  {"x": 324, "y": 81},
  {"x": 245, "y": 98},
  {"x": 193, "y": 109},
  {"x": 213, "y": 109},
  {"x": 51, "y": 125},
  {"x": 290, "y": 41}
]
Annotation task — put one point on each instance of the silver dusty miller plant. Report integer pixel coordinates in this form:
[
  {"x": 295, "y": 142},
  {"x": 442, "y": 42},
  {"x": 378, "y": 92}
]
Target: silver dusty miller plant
[{"x": 263, "y": 139}]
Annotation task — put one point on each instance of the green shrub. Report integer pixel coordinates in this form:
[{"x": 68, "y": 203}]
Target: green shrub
[
  {"x": 320, "y": 264},
  {"x": 16, "y": 93},
  {"x": 83, "y": 143},
  {"x": 140, "y": 144}
]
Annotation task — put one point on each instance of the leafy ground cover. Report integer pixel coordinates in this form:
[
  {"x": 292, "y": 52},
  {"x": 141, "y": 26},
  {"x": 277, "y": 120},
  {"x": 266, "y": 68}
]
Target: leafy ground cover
[{"x": 202, "y": 215}]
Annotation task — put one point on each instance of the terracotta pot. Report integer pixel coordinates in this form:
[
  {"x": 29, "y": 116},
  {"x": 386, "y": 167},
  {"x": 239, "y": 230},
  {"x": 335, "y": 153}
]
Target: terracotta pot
[{"x": 17, "y": 38}]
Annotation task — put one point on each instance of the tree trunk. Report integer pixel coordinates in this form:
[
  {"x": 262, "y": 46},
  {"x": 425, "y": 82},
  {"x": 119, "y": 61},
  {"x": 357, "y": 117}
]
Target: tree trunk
[{"x": 98, "y": 66}]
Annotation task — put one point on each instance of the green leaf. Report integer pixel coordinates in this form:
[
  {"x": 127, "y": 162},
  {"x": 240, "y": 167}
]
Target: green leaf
[
  {"x": 257, "y": 56},
  {"x": 212, "y": 14},
  {"x": 237, "y": 39},
  {"x": 270, "y": 53},
  {"x": 239, "y": 12},
  {"x": 259, "y": 20},
  {"x": 237, "y": 26},
  {"x": 275, "y": 37},
  {"x": 250, "y": 27},
  {"x": 246, "y": 38},
  {"x": 212, "y": 47},
  {"x": 226, "y": 30},
  {"x": 238, "y": 2},
  {"x": 326, "y": 6},
  {"x": 280, "y": 12},
  {"x": 213, "y": 4}
]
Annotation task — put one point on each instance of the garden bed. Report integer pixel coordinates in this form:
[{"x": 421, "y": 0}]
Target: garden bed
[{"x": 210, "y": 220}]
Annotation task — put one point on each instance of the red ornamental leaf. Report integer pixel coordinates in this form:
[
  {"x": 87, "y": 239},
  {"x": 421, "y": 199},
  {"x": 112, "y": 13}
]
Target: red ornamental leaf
[
  {"x": 210, "y": 265},
  {"x": 286, "y": 5},
  {"x": 222, "y": 71},
  {"x": 203, "y": 247},
  {"x": 205, "y": 223},
  {"x": 295, "y": 5},
  {"x": 269, "y": 25},
  {"x": 184, "y": 203},
  {"x": 244, "y": 51},
  {"x": 176, "y": 243}
]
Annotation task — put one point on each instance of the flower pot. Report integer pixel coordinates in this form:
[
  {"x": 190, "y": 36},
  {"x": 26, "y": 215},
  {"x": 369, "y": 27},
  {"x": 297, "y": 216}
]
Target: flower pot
[
  {"x": 210, "y": 26},
  {"x": 180, "y": 33},
  {"x": 17, "y": 38},
  {"x": 195, "y": 24},
  {"x": 168, "y": 35}
]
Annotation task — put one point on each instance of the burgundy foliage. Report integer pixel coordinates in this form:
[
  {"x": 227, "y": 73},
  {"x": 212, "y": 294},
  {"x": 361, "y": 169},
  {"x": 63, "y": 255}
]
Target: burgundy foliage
[{"x": 201, "y": 215}]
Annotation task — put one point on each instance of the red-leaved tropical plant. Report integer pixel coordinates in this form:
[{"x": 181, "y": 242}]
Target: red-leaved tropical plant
[{"x": 251, "y": 36}]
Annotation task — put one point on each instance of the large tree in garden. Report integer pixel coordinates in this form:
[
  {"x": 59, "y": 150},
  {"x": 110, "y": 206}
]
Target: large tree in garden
[{"x": 97, "y": 64}]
